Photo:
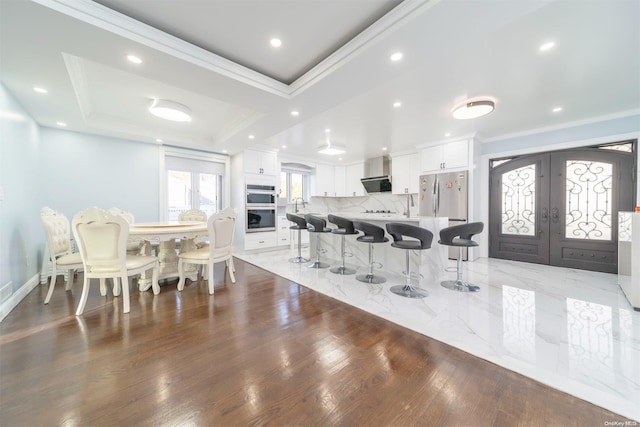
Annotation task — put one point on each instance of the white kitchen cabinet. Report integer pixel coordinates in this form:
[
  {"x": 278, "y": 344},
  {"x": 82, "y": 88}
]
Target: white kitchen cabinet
[
  {"x": 284, "y": 232},
  {"x": 339, "y": 181},
  {"x": 260, "y": 162},
  {"x": 405, "y": 173},
  {"x": 261, "y": 240},
  {"x": 353, "y": 186},
  {"x": 452, "y": 155},
  {"x": 325, "y": 181}
]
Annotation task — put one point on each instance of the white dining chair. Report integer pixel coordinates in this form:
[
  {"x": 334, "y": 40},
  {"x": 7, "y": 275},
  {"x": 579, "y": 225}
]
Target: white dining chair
[
  {"x": 62, "y": 257},
  {"x": 102, "y": 240},
  {"x": 221, "y": 228}
]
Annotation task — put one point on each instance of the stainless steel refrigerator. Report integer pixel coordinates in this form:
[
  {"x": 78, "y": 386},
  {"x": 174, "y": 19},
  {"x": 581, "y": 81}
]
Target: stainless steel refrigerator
[{"x": 446, "y": 194}]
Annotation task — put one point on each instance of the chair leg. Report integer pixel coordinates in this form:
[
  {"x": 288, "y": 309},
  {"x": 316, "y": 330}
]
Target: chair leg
[
  {"x": 459, "y": 284},
  {"x": 317, "y": 263},
  {"x": 116, "y": 287},
  {"x": 52, "y": 283},
  {"x": 210, "y": 279},
  {"x": 231, "y": 270},
  {"x": 154, "y": 279},
  {"x": 343, "y": 269},
  {"x": 83, "y": 296},
  {"x": 182, "y": 279},
  {"x": 370, "y": 277},
  {"x": 299, "y": 259},
  {"x": 70, "y": 274},
  {"x": 125, "y": 294},
  {"x": 408, "y": 290}
]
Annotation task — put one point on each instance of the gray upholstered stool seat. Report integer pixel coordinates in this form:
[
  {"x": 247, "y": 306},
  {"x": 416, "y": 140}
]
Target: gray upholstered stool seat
[
  {"x": 345, "y": 228},
  {"x": 460, "y": 236},
  {"x": 300, "y": 224},
  {"x": 372, "y": 234},
  {"x": 424, "y": 238},
  {"x": 317, "y": 225}
]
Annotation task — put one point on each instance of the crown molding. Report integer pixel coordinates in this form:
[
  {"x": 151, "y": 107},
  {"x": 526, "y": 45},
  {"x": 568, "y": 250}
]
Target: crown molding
[
  {"x": 122, "y": 25},
  {"x": 107, "y": 19}
]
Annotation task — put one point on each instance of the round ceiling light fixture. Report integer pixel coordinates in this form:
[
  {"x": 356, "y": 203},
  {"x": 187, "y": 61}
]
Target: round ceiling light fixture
[
  {"x": 170, "y": 110},
  {"x": 473, "y": 108}
]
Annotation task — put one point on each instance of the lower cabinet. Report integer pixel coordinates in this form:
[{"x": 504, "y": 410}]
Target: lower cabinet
[
  {"x": 284, "y": 232},
  {"x": 260, "y": 240}
]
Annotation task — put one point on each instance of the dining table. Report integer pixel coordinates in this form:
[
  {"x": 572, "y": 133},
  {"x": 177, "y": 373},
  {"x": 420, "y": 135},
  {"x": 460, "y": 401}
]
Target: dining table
[{"x": 166, "y": 234}]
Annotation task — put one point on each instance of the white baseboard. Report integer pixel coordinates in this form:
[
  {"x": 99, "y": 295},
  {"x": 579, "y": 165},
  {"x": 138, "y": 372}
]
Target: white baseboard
[{"x": 18, "y": 296}]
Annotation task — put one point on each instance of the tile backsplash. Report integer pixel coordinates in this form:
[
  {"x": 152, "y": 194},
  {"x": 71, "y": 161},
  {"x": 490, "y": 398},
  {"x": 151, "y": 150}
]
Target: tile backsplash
[{"x": 375, "y": 202}]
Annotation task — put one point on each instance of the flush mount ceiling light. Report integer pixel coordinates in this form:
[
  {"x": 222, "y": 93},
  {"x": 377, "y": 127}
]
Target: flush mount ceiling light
[
  {"x": 170, "y": 110},
  {"x": 331, "y": 149},
  {"x": 473, "y": 108}
]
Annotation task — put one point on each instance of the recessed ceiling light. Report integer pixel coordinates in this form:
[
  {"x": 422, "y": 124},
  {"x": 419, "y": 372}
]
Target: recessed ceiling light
[
  {"x": 170, "y": 110},
  {"x": 61, "y": 124},
  {"x": 339, "y": 158},
  {"x": 134, "y": 59},
  {"x": 546, "y": 46},
  {"x": 384, "y": 148},
  {"x": 40, "y": 89},
  {"x": 447, "y": 135},
  {"x": 275, "y": 42},
  {"x": 396, "y": 56},
  {"x": 252, "y": 136},
  {"x": 397, "y": 104},
  {"x": 473, "y": 108},
  {"x": 557, "y": 109},
  {"x": 331, "y": 149},
  {"x": 224, "y": 151},
  {"x": 327, "y": 130},
  {"x": 295, "y": 113},
  {"x": 284, "y": 146},
  {"x": 159, "y": 140}
]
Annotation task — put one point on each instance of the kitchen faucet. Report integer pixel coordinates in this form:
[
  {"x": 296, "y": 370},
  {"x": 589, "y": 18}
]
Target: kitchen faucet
[
  {"x": 409, "y": 199},
  {"x": 296, "y": 201}
]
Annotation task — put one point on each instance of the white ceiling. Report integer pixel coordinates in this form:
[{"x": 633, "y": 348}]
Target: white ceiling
[{"x": 333, "y": 67}]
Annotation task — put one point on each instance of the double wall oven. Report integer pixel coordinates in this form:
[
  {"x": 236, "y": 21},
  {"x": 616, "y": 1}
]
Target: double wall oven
[{"x": 260, "y": 202}]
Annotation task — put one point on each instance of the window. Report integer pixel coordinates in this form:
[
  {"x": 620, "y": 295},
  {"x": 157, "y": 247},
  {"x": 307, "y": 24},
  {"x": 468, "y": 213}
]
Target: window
[
  {"x": 294, "y": 183},
  {"x": 192, "y": 182}
]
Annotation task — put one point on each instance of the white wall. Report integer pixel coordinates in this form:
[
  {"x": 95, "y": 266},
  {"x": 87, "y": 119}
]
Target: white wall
[
  {"x": 583, "y": 134},
  {"x": 21, "y": 232},
  {"x": 85, "y": 170}
]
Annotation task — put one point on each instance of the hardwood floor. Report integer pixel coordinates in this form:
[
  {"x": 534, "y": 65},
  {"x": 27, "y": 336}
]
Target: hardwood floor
[{"x": 261, "y": 351}]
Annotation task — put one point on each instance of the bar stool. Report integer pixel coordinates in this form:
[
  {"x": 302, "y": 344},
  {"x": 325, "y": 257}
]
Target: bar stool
[
  {"x": 372, "y": 234},
  {"x": 317, "y": 225},
  {"x": 345, "y": 228},
  {"x": 300, "y": 224},
  {"x": 460, "y": 236},
  {"x": 424, "y": 238}
]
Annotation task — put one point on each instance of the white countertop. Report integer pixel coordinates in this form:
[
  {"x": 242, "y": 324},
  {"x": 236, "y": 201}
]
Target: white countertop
[{"x": 375, "y": 216}]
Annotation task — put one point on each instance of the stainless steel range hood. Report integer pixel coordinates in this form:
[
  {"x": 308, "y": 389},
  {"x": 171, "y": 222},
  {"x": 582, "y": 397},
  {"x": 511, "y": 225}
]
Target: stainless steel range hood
[{"x": 377, "y": 175}]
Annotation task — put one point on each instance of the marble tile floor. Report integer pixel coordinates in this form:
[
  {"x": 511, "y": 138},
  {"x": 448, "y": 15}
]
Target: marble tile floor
[{"x": 573, "y": 330}]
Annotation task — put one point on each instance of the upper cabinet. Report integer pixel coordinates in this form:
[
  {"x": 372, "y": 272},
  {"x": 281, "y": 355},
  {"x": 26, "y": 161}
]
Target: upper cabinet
[
  {"x": 451, "y": 155},
  {"x": 260, "y": 162},
  {"x": 353, "y": 186},
  {"x": 324, "y": 178},
  {"x": 405, "y": 172},
  {"x": 339, "y": 181}
]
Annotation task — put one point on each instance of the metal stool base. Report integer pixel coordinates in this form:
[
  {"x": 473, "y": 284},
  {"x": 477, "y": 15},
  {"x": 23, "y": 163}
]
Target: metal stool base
[
  {"x": 460, "y": 286},
  {"x": 299, "y": 260},
  {"x": 318, "y": 264},
  {"x": 343, "y": 270},
  {"x": 409, "y": 291},
  {"x": 370, "y": 278}
]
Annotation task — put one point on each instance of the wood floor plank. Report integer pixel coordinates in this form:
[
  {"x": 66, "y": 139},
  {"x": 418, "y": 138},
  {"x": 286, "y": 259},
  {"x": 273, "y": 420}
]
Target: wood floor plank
[{"x": 262, "y": 351}]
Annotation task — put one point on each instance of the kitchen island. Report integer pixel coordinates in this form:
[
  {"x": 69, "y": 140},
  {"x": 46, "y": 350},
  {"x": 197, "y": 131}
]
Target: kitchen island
[{"x": 430, "y": 262}]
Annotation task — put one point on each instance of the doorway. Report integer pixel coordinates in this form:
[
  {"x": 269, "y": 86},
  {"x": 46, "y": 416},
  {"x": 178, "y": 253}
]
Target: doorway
[{"x": 561, "y": 208}]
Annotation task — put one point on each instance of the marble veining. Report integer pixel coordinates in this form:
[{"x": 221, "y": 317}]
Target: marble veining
[{"x": 570, "y": 329}]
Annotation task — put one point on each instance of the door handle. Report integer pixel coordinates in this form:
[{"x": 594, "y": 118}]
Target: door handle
[
  {"x": 555, "y": 215},
  {"x": 545, "y": 215}
]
